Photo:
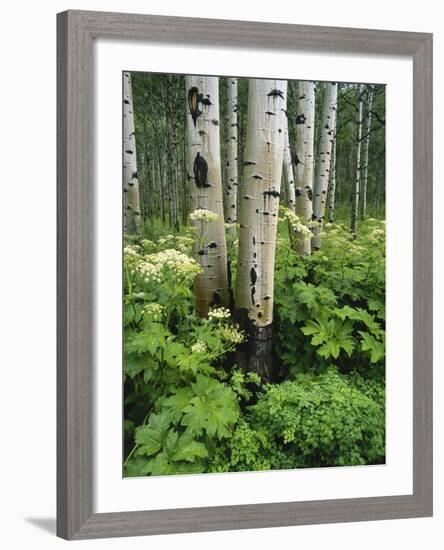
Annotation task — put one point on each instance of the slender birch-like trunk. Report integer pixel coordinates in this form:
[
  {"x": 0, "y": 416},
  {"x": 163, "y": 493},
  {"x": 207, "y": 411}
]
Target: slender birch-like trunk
[
  {"x": 366, "y": 147},
  {"x": 205, "y": 191},
  {"x": 288, "y": 171},
  {"x": 304, "y": 160},
  {"x": 332, "y": 184},
  {"x": 324, "y": 161},
  {"x": 259, "y": 203},
  {"x": 232, "y": 170},
  {"x": 131, "y": 200},
  {"x": 356, "y": 187}
]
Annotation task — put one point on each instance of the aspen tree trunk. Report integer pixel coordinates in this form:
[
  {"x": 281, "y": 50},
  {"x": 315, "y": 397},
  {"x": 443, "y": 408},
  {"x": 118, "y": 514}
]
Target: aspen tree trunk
[
  {"x": 332, "y": 184},
  {"x": 324, "y": 161},
  {"x": 304, "y": 159},
  {"x": 365, "y": 155},
  {"x": 131, "y": 200},
  {"x": 288, "y": 171},
  {"x": 174, "y": 175},
  {"x": 232, "y": 166},
  {"x": 259, "y": 203},
  {"x": 205, "y": 191},
  {"x": 356, "y": 187},
  {"x": 184, "y": 178}
]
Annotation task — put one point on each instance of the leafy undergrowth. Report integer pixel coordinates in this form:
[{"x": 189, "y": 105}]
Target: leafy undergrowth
[{"x": 188, "y": 409}]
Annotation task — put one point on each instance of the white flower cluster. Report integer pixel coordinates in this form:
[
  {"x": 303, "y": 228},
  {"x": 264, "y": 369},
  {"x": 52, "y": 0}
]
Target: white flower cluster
[
  {"x": 219, "y": 313},
  {"x": 184, "y": 244},
  {"x": 199, "y": 347},
  {"x": 175, "y": 260},
  {"x": 296, "y": 224},
  {"x": 131, "y": 257},
  {"x": 150, "y": 272},
  {"x": 131, "y": 250},
  {"x": 377, "y": 235},
  {"x": 155, "y": 265},
  {"x": 203, "y": 215},
  {"x": 233, "y": 334},
  {"x": 154, "y": 311}
]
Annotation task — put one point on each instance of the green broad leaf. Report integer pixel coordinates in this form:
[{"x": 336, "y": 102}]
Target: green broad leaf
[
  {"x": 189, "y": 449},
  {"x": 189, "y": 467},
  {"x": 160, "y": 422},
  {"x": 136, "y": 467},
  {"x": 153, "y": 436},
  {"x": 160, "y": 465},
  {"x": 196, "y": 416},
  {"x": 188, "y": 363},
  {"x": 306, "y": 294},
  {"x": 331, "y": 349},
  {"x": 134, "y": 365},
  {"x": 348, "y": 345},
  {"x": 310, "y": 328},
  {"x": 375, "y": 304},
  {"x": 330, "y": 336},
  {"x": 177, "y": 402},
  {"x": 359, "y": 314},
  {"x": 152, "y": 339},
  {"x": 174, "y": 353},
  {"x": 345, "y": 312},
  {"x": 171, "y": 441},
  {"x": 374, "y": 346},
  {"x": 213, "y": 409},
  {"x": 149, "y": 440}
]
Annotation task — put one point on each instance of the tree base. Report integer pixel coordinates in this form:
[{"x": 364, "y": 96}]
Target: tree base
[{"x": 256, "y": 353}]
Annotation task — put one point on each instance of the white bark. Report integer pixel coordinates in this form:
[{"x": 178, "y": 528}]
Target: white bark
[
  {"x": 356, "y": 187},
  {"x": 259, "y": 203},
  {"x": 232, "y": 167},
  {"x": 131, "y": 200},
  {"x": 304, "y": 159},
  {"x": 332, "y": 184},
  {"x": 324, "y": 161},
  {"x": 203, "y": 138},
  {"x": 288, "y": 171},
  {"x": 366, "y": 147}
]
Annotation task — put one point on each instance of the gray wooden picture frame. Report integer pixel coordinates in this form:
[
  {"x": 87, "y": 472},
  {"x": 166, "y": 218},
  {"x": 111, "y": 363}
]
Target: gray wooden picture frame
[{"x": 76, "y": 32}]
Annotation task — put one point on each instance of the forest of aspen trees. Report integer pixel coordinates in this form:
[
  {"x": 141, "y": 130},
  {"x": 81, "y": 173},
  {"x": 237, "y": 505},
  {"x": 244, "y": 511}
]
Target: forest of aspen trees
[{"x": 253, "y": 274}]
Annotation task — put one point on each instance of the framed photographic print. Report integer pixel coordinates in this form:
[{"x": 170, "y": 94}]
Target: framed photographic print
[{"x": 244, "y": 275}]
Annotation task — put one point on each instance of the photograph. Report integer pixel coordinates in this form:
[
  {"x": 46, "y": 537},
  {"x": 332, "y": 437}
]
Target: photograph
[{"x": 253, "y": 274}]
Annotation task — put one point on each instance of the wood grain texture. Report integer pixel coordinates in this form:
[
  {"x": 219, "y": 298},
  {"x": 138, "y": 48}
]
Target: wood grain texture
[
  {"x": 75, "y": 272},
  {"x": 423, "y": 273},
  {"x": 75, "y": 276}
]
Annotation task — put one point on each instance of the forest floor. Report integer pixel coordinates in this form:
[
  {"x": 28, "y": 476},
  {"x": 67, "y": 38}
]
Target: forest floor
[{"x": 189, "y": 409}]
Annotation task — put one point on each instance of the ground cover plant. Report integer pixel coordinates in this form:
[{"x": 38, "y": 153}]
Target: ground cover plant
[{"x": 254, "y": 335}]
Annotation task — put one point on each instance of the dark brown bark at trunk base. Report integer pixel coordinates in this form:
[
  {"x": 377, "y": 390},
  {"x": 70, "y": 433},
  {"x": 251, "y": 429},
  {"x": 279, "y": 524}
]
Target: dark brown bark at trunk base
[{"x": 256, "y": 353}]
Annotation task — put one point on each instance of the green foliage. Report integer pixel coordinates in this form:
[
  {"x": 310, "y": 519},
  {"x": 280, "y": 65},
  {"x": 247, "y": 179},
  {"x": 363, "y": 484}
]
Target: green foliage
[
  {"x": 188, "y": 409},
  {"x": 206, "y": 406},
  {"x": 177, "y": 404},
  {"x": 331, "y": 305},
  {"x": 161, "y": 450},
  {"x": 330, "y": 335},
  {"x": 323, "y": 420}
]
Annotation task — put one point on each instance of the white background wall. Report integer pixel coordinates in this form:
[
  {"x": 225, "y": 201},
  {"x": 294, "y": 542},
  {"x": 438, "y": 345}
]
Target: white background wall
[{"x": 27, "y": 219}]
